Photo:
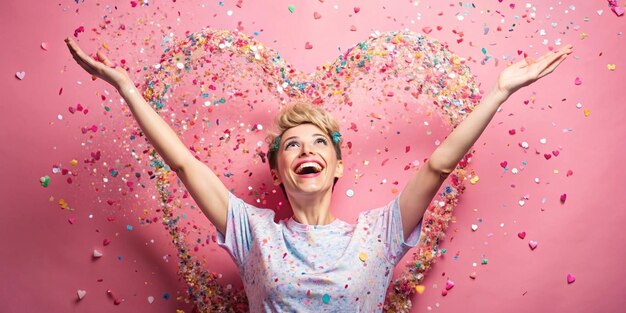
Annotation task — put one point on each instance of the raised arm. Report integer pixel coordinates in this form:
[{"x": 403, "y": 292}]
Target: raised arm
[
  {"x": 422, "y": 187},
  {"x": 204, "y": 186}
]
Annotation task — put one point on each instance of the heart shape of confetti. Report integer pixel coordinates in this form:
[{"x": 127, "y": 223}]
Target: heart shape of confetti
[
  {"x": 217, "y": 88},
  {"x": 619, "y": 11},
  {"x": 532, "y": 244},
  {"x": 571, "y": 278},
  {"x": 81, "y": 293},
  {"x": 521, "y": 235},
  {"x": 20, "y": 75}
]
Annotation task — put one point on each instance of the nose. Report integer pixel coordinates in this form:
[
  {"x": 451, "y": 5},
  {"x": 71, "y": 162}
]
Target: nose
[{"x": 306, "y": 149}]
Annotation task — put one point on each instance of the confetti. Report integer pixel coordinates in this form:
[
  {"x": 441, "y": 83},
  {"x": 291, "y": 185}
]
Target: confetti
[
  {"x": 420, "y": 289},
  {"x": 81, "y": 294},
  {"x": 291, "y": 8},
  {"x": 571, "y": 278},
  {"x": 326, "y": 298},
  {"x": 45, "y": 181},
  {"x": 20, "y": 75},
  {"x": 532, "y": 244},
  {"x": 521, "y": 235}
]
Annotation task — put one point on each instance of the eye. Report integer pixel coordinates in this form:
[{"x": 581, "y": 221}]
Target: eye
[
  {"x": 291, "y": 144},
  {"x": 322, "y": 140}
]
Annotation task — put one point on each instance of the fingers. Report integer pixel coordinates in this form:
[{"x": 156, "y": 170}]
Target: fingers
[
  {"x": 103, "y": 58},
  {"x": 552, "y": 66},
  {"x": 84, "y": 60}
]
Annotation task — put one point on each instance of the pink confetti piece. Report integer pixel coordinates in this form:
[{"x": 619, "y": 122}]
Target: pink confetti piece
[
  {"x": 81, "y": 294},
  {"x": 563, "y": 198},
  {"x": 308, "y": 46},
  {"x": 571, "y": 278},
  {"x": 521, "y": 235},
  {"x": 44, "y": 46},
  {"x": 317, "y": 16},
  {"x": 357, "y": 10},
  {"x": 71, "y": 220},
  {"x": 532, "y": 244},
  {"x": 20, "y": 75},
  {"x": 578, "y": 81},
  {"x": 449, "y": 285}
]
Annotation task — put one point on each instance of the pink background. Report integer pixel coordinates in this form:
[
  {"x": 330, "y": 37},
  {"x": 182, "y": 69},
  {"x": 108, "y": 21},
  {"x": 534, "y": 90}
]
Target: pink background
[{"x": 44, "y": 259}]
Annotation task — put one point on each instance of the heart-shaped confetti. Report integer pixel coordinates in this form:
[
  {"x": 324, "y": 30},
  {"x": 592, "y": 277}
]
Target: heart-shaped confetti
[
  {"x": 317, "y": 16},
  {"x": 81, "y": 293},
  {"x": 503, "y": 164},
  {"x": 106, "y": 242},
  {"x": 420, "y": 289},
  {"x": 308, "y": 46},
  {"x": 571, "y": 278},
  {"x": 578, "y": 81},
  {"x": 150, "y": 299},
  {"x": 472, "y": 275},
  {"x": 521, "y": 235},
  {"x": 548, "y": 156},
  {"x": 291, "y": 8},
  {"x": 555, "y": 153},
  {"x": 532, "y": 244},
  {"x": 611, "y": 67},
  {"x": 563, "y": 198},
  {"x": 44, "y": 46},
  {"x": 20, "y": 75},
  {"x": 474, "y": 227},
  {"x": 357, "y": 9},
  {"x": 619, "y": 11},
  {"x": 97, "y": 253},
  {"x": 71, "y": 220},
  {"x": 449, "y": 284}
]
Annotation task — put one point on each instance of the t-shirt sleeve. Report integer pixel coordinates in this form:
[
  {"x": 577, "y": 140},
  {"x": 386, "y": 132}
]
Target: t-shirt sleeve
[
  {"x": 240, "y": 224},
  {"x": 387, "y": 221}
]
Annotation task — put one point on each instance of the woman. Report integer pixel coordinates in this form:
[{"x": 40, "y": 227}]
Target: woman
[{"x": 314, "y": 261}]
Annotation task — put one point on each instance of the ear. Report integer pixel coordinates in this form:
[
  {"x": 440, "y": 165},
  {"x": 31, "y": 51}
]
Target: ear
[
  {"x": 275, "y": 177},
  {"x": 339, "y": 169}
]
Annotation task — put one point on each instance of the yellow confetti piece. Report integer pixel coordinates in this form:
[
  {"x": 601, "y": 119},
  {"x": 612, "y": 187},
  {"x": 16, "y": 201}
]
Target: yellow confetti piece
[
  {"x": 363, "y": 256},
  {"x": 583, "y": 36},
  {"x": 611, "y": 67},
  {"x": 587, "y": 112},
  {"x": 73, "y": 162},
  {"x": 420, "y": 289},
  {"x": 474, "y": 180}
]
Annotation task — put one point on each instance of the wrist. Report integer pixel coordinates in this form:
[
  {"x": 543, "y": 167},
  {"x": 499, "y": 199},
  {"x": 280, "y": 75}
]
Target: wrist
[
  {"x": 499, "y": 94},
  {"x": 127, "y": 89}
]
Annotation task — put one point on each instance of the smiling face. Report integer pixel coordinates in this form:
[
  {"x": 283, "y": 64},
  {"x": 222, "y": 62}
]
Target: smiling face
[{"x": 306, "y": 161}]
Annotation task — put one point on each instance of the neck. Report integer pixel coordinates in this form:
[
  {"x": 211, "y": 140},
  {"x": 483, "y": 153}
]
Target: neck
[{"x": 312, "y": 209}]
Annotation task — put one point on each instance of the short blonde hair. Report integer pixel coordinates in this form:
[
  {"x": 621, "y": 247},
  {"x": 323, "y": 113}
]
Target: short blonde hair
[{"x": 298, "y": 113}]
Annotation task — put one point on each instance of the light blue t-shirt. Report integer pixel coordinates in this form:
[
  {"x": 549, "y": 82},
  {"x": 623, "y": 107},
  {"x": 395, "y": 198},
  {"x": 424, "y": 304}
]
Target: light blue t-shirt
[{"x": 338, "y": 267}]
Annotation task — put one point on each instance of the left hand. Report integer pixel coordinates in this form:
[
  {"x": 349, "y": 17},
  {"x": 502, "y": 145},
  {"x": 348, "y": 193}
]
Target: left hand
[{"x": 527, "y": 71}]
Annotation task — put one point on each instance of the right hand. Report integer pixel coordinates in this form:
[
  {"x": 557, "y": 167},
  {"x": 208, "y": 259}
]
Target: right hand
[{"x": 102, "y": 68}]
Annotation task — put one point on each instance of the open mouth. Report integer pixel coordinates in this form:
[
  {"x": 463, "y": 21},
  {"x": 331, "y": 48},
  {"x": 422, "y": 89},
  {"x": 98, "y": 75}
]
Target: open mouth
[{"x": 306, "y": 168}]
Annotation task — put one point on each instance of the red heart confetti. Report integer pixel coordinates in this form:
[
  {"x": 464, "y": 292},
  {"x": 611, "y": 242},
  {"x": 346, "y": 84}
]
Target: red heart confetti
[{"x": 521, "y": 235}]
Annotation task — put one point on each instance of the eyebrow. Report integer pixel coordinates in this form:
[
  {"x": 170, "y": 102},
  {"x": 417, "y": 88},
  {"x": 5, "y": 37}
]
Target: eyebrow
[{"x": 314, "y": 135}]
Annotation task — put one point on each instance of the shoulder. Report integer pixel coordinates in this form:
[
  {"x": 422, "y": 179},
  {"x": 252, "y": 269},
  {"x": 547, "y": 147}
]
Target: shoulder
[{"x": 239, "y": 207}]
